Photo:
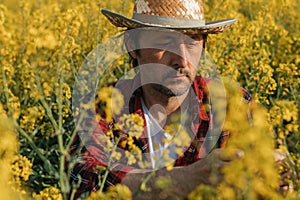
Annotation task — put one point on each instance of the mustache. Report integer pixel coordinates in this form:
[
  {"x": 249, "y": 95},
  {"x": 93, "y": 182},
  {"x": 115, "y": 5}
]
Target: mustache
[{"x": 177, "y": 72}]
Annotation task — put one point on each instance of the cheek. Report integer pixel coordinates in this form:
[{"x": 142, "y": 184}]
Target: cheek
[
  {"x": 195, "y": 60},
  {"x": 194, "y": 72},
  {"x": 195, "y": 56}
]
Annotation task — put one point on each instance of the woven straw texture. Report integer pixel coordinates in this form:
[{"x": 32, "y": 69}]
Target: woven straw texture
[{"x": 190, "y": 9}]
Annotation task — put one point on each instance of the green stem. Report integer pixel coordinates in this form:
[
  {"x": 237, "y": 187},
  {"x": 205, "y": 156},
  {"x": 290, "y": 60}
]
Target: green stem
[
  {"x": 44, "y": 103},
  {"x": 108, "y": 165},
  {"x": 5, "y": 89},
  {"x": 136, "y": 194},
  {"x": 62, "y": 178},
  {"x": 34, "y": 147},
  {"x": 71, "y": 140},
  {"x": 20, "y": 130}
]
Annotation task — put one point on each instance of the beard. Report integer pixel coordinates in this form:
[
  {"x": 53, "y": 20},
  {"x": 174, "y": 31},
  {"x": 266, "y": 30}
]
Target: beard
[
  {"x": 174, "y": 87},
  {"x": 171, "y": 92}
]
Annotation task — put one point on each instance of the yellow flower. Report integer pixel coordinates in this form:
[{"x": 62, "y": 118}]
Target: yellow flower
[
  {"x": 21, "y": 167},
  {"x": 120, "y": 192},
  {"x": 132, "y": 124},
  {"x": 2, "y": 16},
  {"x": 203, "y": 192},
  {"x": 116, "y": 155},
  {"x": 113, "y": 101},
  {"x": 131, "y": 158},
  {"x": 50, "y": 193}
]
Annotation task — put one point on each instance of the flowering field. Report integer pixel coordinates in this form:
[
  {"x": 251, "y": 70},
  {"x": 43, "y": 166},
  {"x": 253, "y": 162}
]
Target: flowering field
[{"x": 44, "y": 43}]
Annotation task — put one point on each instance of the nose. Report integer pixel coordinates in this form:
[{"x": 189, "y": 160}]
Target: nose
[{"x": 180, "y": 56}]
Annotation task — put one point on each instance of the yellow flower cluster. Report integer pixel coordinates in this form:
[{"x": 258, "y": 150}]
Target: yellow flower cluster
[
  {"x": 253, "y": 176},
  {"x": 113, "y": 102},
  {"x": 132, "y": 124},
  {"x": 21, "y": 169},
  {"x": 180, "y": 137},
  {"x": 120, "y": 192},
  {"x": 261, "y": 52},
  {"x": 289, "y": 78},
  {"x": 203, "y": 192},
  {"x": 9, "y": 187},
  {"x": 31, "y": 117},
  {"x": 284, "y": 116},
  {"x": 42, "y": 44},
  {"x": 50, "y": 193}
]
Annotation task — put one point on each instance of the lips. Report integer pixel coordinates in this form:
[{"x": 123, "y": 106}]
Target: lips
[
  {"x": 177, "y": 79},
  {"x": 180, "y": 76},
  {"x": 177, "y": 74}
]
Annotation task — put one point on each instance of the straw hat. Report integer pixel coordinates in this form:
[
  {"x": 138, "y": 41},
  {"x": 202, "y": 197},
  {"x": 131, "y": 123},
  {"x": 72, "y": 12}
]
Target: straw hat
[{"x": 181, "y": 15}]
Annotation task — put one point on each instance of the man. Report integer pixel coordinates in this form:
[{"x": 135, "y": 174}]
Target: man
[{"x": 165, "y": 40}]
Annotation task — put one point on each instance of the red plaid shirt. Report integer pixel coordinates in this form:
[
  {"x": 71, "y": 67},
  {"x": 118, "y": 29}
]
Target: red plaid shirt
[{"x": 92, "y": 153}]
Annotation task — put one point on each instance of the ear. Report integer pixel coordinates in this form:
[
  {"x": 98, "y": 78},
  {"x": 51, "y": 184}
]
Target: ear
[
  {"x": 133, "y": 54},
  {"x": 205, "y": 36},
  {"x": 130, "y": 45}
]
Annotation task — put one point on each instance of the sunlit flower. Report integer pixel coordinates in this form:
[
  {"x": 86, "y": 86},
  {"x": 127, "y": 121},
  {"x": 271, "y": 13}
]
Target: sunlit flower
[
  {"x": 21, "y": 167},
  {"x": 132, "y": 124},
  {"x": 113, "y": 101},
  {"x": 50, "y": 193},
  {"x": 120, "y": 192}
]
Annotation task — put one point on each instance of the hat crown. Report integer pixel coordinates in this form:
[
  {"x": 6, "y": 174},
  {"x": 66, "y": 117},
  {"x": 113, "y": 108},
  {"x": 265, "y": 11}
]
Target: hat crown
[{"x": 187, "y": 9}]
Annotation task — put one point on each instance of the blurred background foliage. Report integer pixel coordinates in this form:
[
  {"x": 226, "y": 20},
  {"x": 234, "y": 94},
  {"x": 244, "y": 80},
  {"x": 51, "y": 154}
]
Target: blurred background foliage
[{"x": 44, "y": 43}]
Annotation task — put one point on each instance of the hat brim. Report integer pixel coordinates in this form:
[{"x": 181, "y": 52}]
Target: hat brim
[{"x": 192, "y": 28}]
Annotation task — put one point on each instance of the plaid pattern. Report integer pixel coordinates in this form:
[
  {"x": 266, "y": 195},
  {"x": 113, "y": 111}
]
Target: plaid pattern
[{"x": 92, "y": 154}]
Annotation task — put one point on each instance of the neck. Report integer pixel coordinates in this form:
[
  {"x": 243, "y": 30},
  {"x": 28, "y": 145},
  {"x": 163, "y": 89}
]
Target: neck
[{"x": 162, "y": 107}]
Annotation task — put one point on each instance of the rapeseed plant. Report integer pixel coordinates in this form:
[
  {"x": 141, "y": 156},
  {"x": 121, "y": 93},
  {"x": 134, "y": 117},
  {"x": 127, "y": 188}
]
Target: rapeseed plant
[
  {"x": 14, "y": 169},
  {"x": 50, "y": 193}
]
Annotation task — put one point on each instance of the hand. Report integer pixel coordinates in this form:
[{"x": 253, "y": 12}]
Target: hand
[
  {"x": 209, "y": 169},
  {"x": 285, "y": 170},
  {"x": 184, "y": 179}
]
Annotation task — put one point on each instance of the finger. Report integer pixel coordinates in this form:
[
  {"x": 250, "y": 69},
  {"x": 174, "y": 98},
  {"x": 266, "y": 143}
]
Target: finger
[
  {"x": 279, "y": 155},
  {"x": 229, "y": 155}
]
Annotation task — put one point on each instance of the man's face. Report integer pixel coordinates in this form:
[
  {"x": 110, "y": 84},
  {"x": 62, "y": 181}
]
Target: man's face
[{"x": 170, "y": 60}]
